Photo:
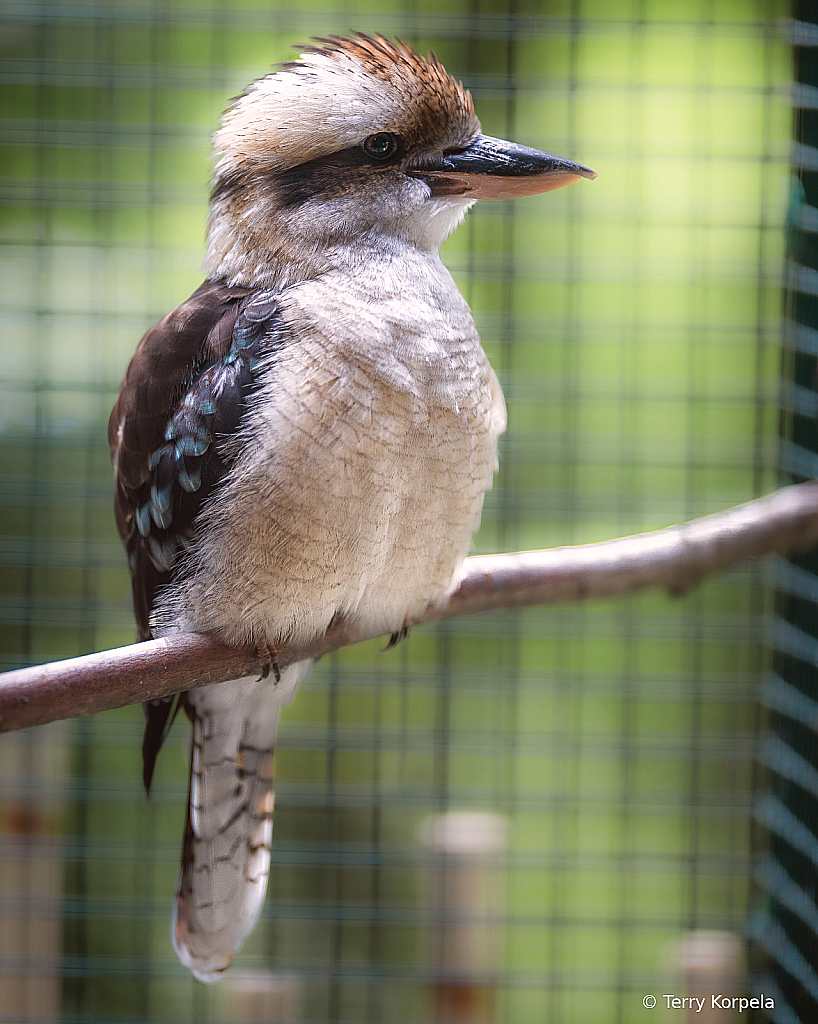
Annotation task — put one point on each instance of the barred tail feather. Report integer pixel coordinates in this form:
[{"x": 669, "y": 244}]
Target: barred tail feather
[{"x": 226, "y": 851}]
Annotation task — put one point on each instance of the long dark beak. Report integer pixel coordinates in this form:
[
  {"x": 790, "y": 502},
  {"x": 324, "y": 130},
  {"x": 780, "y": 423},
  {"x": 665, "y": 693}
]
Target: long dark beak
[{"x": 494, "y": 169}]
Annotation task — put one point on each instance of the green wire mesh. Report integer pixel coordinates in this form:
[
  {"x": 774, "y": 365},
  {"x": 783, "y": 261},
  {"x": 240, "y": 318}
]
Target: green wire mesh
[
  {"x": 634, "y": 324},
  {"x": 785, "y": 922}
]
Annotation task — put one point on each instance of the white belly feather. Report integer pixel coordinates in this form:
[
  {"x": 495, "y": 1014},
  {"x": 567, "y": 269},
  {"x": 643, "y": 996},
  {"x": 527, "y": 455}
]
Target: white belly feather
[{"x": 374, "y": 440}]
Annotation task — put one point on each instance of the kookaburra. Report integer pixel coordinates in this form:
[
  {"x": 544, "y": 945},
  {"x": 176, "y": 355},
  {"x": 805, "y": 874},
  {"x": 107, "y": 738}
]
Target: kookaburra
[{"x": 310, "y": 436}]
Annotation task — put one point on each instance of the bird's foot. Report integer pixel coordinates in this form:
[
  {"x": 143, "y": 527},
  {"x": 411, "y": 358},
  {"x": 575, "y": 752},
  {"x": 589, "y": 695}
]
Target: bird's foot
[
  {"x": 398, "y": 636},
  {"x": 268, "y": 659}
]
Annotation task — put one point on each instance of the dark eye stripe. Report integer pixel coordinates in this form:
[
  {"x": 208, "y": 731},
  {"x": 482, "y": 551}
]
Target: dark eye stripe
[{"x": 327, "y": 175}]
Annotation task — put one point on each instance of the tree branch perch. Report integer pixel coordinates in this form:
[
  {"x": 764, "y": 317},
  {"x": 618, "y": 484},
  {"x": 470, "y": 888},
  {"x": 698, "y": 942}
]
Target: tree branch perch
[{"x": 674, "y": 558}]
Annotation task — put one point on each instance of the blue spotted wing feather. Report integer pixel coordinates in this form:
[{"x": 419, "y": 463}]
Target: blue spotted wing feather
[{"x": 182, "y": 400}]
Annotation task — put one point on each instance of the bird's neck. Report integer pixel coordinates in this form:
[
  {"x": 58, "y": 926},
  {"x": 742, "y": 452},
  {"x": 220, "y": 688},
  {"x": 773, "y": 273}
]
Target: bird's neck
[{"x": 263, "y": 245}]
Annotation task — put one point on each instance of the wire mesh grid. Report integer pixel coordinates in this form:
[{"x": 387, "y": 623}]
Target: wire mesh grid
[
  {"x": 633, "y": 323},
  {"x": 785, "y": 922}
]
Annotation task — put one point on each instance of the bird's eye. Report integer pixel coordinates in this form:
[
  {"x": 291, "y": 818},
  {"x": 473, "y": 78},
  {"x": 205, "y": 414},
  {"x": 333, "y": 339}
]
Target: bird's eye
[{"x": 381, "y": 145}]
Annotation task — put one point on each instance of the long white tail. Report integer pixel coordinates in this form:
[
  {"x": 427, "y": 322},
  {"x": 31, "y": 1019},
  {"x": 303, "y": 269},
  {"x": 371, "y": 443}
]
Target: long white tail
[{"x": 226, "y": 852}]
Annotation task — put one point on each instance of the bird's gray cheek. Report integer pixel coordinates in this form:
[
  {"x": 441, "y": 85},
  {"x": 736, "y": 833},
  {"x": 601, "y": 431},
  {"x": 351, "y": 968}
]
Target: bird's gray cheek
[{"x": 414, "y": 191}]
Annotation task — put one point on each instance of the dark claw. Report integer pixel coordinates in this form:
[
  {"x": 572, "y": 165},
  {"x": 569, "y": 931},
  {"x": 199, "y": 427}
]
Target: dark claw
[
  {"x": 269, "y": 660},
  {"x": 398, "y": 637}
]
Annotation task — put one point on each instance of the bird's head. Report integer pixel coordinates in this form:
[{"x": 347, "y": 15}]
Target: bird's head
[{"x": 360, "y": 141}]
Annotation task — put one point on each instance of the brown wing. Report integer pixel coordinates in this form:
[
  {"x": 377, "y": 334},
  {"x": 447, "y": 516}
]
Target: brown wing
[
  {"x": 185, "y": 390},
  {"x": 193, "y": 336}
]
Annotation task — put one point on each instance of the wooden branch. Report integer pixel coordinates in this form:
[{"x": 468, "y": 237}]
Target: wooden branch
[{"x": 673, "y": 558}]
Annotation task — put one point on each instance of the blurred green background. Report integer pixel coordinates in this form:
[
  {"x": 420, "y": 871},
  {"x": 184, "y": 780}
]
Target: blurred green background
[{"x": 634, "y": 324}]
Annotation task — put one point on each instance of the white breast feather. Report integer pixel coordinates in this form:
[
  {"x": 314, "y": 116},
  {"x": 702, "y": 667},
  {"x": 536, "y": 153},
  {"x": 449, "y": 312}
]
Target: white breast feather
[{"x": 374, "y": 441}]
